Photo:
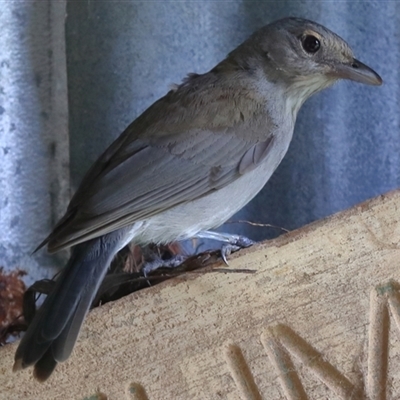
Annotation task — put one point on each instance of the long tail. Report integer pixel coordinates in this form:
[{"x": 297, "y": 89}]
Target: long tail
[{"x": 52, "y": 334}]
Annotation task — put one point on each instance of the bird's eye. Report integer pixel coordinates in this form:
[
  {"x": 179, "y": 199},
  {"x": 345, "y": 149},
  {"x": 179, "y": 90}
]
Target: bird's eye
[{"x": 310, "y": 44}]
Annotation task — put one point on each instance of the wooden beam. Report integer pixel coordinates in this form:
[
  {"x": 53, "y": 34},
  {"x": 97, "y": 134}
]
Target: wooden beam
[{"x": 320, "y": 318}]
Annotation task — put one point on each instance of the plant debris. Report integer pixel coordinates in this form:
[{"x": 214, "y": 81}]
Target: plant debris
[{"x": 12, "y": 290}]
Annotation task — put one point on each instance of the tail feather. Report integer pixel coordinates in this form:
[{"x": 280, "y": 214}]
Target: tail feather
[
  {"x": 63, "y": 346},
  {"x": 45, "y": 366},
  {"x": 53, "y": 332},
  {"x": 82, "y": 274}
]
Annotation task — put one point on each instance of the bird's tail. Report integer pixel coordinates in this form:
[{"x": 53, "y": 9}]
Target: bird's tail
[{"x": 52, "y": 334}]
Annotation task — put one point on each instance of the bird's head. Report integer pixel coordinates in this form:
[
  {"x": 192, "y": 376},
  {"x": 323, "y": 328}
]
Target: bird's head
[{"x": 302, "y": 55}]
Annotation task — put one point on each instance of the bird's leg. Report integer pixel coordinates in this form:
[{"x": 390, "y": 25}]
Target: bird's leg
[
  {"x": 231, "y": 242},
  {"x": 154, "y": 261}
]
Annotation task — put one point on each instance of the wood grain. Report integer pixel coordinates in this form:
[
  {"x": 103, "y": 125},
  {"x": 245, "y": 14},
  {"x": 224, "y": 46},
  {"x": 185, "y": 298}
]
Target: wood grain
[{"x": 320, "y": 318}]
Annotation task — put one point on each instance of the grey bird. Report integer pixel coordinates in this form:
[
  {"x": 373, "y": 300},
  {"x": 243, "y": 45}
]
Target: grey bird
[{"x": 185, "y": 166}]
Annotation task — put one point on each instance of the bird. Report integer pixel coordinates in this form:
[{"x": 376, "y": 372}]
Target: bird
[{"x": 184, "y": 166}]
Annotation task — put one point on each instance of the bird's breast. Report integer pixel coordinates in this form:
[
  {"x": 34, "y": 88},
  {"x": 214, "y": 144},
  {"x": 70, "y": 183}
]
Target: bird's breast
[{"x": 212, "y": 210}]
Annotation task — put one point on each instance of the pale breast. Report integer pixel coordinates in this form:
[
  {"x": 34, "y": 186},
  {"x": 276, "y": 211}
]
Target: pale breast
[{"x": 212, "y": 210}]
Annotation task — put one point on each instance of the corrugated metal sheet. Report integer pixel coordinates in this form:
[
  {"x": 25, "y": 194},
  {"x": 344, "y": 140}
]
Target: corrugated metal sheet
[{"x": 122, "y": 56}]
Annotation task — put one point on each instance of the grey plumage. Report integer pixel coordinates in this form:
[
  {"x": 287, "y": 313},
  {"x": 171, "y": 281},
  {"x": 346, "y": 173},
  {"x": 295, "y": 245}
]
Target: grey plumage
[{"x": 187, "y": 164}]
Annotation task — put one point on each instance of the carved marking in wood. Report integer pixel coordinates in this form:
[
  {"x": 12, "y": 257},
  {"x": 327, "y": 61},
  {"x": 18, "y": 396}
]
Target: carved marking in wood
[
  {"x": 384, "y": 298},
  {"x": 241, "y": 373},
  {"x": 136, "y": 392},
  {"x": 280, "y": 341},
  {"x": 282, "y": 344},
  {"x": 283, "y": 364}
]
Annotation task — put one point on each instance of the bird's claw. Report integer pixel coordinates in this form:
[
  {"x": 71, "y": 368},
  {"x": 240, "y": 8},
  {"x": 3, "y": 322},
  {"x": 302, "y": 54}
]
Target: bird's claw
[
  {"x": 227, "y": 250},
  {"x": 236, "y": 243}
]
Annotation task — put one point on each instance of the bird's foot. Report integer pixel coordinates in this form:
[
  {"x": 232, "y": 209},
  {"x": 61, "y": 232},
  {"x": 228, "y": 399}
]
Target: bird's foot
[
  {"x": 238, "y": 242},
  {"x": 231, "y": 242},
  {"x": 157, "y": 263}
]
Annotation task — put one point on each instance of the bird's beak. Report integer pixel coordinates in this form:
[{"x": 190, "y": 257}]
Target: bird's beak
[{"x": 357, "y": 71}]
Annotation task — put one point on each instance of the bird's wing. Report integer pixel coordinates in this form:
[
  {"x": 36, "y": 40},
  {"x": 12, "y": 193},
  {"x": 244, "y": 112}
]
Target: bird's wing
[{"x": 188, "y": 144}]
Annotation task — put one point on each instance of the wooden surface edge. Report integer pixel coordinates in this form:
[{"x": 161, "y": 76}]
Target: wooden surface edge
[{"x": 320, "y": 318}]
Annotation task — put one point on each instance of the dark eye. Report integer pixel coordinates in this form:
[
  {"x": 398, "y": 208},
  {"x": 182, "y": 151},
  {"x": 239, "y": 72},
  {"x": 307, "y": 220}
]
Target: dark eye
[{"x": 310, "y": 44}]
